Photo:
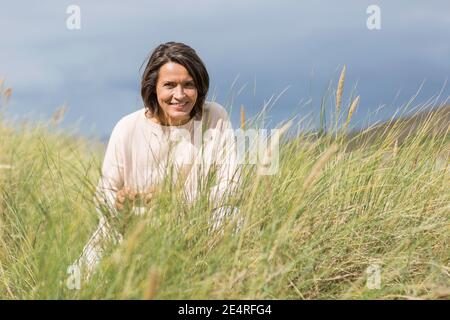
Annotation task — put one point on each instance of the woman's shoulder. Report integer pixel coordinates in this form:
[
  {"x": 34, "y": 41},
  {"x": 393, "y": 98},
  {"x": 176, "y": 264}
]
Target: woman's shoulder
[
  {"x": 215, "y": 111},
  {"x": 131, "y": 119},
  {"x": 215, "y": 115},
  {"x": 129, "y": 122}
]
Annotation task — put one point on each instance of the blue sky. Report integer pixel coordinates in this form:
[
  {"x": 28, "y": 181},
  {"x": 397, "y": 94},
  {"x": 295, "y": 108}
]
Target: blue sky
[{"x": 261, "y": 46}]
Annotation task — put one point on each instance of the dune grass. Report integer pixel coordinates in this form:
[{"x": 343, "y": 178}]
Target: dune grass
[{"x": 312, "y": 231}]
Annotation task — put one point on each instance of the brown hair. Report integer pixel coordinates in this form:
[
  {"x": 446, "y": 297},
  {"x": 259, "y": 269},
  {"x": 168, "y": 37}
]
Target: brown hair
[{"x": 182, "y": 54}]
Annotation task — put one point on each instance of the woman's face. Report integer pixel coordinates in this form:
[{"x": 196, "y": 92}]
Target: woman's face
[{"x": 176, "y": 94}]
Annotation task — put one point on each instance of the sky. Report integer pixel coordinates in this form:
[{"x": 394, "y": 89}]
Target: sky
[{"x": 253, "y": 50}]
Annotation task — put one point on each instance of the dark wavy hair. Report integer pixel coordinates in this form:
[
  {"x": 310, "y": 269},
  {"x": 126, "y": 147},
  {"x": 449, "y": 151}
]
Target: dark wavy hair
[{"x": 182, "y": 54}]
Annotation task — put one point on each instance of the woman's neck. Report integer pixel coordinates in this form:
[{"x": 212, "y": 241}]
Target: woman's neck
[{"x": 163, "y": 121}]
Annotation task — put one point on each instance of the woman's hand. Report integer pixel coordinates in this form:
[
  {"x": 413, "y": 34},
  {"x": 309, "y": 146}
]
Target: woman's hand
[
  {"x": 123, "y": 197},
  {"x": 127, "y": 197}
]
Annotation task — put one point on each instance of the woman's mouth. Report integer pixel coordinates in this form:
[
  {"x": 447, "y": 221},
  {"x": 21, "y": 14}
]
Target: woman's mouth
[{"x": 179, "y": 105}]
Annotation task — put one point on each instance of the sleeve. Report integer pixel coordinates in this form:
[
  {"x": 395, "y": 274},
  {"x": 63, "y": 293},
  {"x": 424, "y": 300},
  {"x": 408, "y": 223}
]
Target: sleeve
[
  {"x": 112, "y": 175},
  {"x": 111, "y": 181},
  {"x": 228, "y": 171}
]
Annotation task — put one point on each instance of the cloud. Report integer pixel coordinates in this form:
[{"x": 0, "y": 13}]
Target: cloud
[{"x": 95, "y": 69}]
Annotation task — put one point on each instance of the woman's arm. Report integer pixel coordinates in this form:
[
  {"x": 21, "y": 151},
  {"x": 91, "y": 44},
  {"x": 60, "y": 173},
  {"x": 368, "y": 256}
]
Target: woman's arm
[{"x": 111, "y": 181}]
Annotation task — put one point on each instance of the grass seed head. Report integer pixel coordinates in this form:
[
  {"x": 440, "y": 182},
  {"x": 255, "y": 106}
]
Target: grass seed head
[{"x": 340, "y": 90}]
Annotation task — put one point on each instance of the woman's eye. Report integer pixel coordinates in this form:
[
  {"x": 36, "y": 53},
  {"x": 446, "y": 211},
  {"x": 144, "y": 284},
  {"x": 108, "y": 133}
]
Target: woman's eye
[{"x": 187, "y": 85}]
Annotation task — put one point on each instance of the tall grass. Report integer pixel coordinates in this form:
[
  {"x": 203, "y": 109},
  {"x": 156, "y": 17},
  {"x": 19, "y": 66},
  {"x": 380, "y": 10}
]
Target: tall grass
[{"x": 310, "y": 231}]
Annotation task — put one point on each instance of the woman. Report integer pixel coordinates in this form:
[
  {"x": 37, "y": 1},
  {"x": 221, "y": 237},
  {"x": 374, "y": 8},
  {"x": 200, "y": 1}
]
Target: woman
[{"x": 164, "y": 135}]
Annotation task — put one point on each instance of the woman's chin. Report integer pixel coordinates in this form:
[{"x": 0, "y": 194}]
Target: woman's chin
[
  {"x": 179, "y": 117},
  {"x": 181, "y": 109}
]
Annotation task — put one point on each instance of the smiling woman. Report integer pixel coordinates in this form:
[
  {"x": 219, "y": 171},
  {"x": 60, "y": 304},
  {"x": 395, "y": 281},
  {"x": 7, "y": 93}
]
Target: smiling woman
[
  {"x": 174, "y": 84},
  {"x": 159, "y": 141}
]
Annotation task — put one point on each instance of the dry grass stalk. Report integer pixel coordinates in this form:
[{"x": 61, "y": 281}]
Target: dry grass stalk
[
  {"x": 318, "y": 166},
  {"x": 152, "y": 284},
  {"x": 395, "y": 149},
  {"x": 278, "y": 134},
  {"x": 441, "y": 293},
  {"x": 242, "y": 118},
  {"x": 7, "y": 94},
  {"x": 351, "y": 110},
  {"x": 59, "y": 114},
  {"x": 273, "y": 146},
  {"x": 340, "y": 90}
]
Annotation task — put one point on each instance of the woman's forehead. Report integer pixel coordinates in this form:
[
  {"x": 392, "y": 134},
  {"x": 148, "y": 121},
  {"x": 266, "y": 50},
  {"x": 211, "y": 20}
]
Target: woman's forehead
[{"x": 173, "y": 71}]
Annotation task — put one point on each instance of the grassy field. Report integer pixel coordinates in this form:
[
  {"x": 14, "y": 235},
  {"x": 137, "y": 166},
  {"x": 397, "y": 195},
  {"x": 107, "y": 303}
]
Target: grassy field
[{"x": 367, "y": 222}]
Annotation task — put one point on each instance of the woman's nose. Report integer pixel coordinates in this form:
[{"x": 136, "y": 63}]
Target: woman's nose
[{"x": 179, "y": 92}]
